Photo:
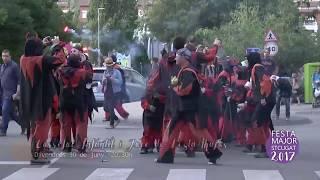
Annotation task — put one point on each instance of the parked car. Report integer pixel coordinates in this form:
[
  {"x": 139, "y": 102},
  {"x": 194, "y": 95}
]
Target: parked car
[{"x": 135, "y": 83}]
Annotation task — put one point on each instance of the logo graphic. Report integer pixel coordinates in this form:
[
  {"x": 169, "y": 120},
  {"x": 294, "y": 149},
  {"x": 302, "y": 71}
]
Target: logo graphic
[{"x": 282, "y": 146}]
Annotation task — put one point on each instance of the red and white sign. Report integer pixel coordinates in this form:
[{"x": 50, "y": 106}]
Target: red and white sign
[
  {"x": 272, "y": 47},
  {"x": 270, "y": 37}
]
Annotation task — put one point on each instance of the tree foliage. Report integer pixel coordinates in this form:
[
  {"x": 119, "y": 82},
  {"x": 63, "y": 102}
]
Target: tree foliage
[
  {"x": 118, "y": 21},
  {"x": 248, "y": 27},
  {"x": 139, "y": 58},
  {"x": 167, "y": 18},
  {"x": 43, "y": 17},
  {"x": 3, "y": 15}
]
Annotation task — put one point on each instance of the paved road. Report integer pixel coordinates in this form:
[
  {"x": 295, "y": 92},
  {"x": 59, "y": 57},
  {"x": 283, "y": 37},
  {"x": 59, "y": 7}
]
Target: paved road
[{"x": 234, "y": 165}]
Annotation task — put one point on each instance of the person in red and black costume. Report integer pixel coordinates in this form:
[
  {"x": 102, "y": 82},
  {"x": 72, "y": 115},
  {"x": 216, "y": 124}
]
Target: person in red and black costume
[
  {"x": 90, "y": 98},
  {"x": 228, "y": 106},
  {"x": 239, "y": 96},
  {"x": 73, "y": 106},
  {"x": 211, "y": 56},
  {"x": 38, "y": 93},
  {"x": 202, "y": 58},
  {"x": 264, "y": 96},
  {"x": 153, "y": 104},
  {"x": 209, "y": 107},
  {"x": 159, "y": 101},
  {"x": 86, "y": 64},
  {"x": 168, "y": 69},
  {"x": 89, "y": 95},
  {"x": 187, "y": 87},
  {"x": 55, "y": 123},
  {"x": 162, "y": 77}
]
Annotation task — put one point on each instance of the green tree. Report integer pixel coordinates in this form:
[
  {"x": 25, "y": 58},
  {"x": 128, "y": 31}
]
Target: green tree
[
  {"x": 167, "y": 19},
  {"x": 117, "y": 22},
  {"x": 43, "y": 17},
  {"x": 14, "y": 28},
  {"x": 3, "y": 15},
  {"x": 248, "y": 28},
  {"x": 244, "y": 30},
  {"x": 139, "y": 58}
]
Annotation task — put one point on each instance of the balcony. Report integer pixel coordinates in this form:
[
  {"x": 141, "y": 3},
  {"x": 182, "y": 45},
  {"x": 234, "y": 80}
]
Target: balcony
[
  {"x": 308, "y": 7},
  {"x": 63, "y": 3}
]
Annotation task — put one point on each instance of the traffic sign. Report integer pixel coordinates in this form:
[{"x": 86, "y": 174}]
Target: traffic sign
[
  {"x": 252, "y": 50},
  {"x": 270, "y": 37},
  {"x": 272, "y": 47}
]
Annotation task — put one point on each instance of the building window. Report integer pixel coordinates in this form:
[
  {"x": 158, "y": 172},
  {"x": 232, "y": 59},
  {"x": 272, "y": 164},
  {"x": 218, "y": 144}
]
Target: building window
[{"x": 84, "y": 14}]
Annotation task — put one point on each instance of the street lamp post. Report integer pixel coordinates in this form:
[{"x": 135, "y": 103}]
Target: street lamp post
[{"x": 99, "y": 59}]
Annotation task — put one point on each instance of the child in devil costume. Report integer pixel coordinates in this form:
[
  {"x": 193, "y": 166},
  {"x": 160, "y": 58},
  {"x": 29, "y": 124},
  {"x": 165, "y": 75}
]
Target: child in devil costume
[
  {"x": 72, "y": 103},
  {"x": 152, "y": 120},
  {"x": 38, "y": 93}
]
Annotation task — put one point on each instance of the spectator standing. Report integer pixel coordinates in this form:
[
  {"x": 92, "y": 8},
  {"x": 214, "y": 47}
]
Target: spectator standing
[
  {"x": 10, "y": 76},
  {"x": 284, "y": 93},
  {"x": 295, "y": 88}
]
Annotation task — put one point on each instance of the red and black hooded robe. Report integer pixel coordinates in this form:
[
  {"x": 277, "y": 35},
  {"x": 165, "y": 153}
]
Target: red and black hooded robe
[
  {"x": 73, "y": 105},
  {"x": 38, "y": 89},
  {"x": 90, "y": 98},
  {"x": 188, "y": 90},
  {"x": 228, "y": 105},
  {"x": 161, "y": 79},
  {"x": 152, "y": 119},
  {"x": 262, "y": 89}
]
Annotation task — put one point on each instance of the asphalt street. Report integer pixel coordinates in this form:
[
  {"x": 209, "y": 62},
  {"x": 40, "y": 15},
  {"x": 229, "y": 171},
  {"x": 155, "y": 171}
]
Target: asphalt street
[{"x": 122, "y": 160}]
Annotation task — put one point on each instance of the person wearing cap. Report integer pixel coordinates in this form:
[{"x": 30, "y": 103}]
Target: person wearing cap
[
  {"x": 284, "y": 88},
  {"x": 187, "y": 87},
  {"x": 111, "y": 86}
]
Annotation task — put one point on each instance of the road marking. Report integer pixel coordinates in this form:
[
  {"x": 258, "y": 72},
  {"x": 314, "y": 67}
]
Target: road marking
[
  {"x": 14, "y": 162},
  {"x": 187, "y": 174},
  {"x": 262, "y": 175},
  {"x": 118, "y": 127},
  {"x": 318, "y": 173},
  {"x": 110, "y": 174},
  {"x": 32, "y": 173},
  {"x": 51, "y": 162}
]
